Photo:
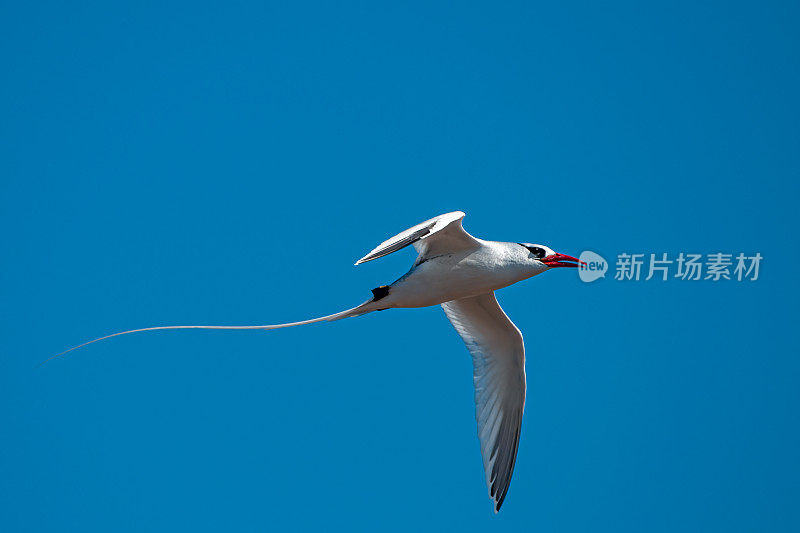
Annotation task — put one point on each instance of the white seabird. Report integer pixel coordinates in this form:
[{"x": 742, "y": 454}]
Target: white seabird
[{"x": 460, "y": 273}]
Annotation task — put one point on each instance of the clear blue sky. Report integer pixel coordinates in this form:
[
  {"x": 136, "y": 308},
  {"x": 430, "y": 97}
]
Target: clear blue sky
[{"x": 188, "y": 163}]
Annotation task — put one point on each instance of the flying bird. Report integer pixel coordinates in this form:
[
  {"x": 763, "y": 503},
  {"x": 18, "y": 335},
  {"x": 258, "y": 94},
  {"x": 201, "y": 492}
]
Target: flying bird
[{"x": 460, "y": 272}]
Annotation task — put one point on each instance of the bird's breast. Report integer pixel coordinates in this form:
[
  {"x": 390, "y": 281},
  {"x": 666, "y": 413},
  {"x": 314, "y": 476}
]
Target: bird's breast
[{"x": 451, "y": 277}]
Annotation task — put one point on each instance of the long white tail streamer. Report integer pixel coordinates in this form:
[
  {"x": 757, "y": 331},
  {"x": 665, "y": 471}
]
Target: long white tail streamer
[{"x": 336, "y": 316}]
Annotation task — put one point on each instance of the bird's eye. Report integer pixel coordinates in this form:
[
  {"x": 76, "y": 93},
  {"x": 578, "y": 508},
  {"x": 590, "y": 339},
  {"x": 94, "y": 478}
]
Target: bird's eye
[{"x": 537, "y": 252}]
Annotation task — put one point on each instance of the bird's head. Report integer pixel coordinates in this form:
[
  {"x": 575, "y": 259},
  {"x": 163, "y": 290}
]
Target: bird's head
[{"x": 547, "y": 257}]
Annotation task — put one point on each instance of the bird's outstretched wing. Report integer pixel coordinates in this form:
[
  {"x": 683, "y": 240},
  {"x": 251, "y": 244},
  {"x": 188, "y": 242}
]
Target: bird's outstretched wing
[
  {"x": 498, "y": 357},
  {"x": 439, "y": 235}
]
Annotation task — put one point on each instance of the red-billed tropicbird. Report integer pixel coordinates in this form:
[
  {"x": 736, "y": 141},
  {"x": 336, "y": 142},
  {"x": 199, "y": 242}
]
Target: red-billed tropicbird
[{"x": 461, "y": 273}]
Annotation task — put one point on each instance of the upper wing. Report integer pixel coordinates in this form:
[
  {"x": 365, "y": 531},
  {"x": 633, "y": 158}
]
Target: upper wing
[
  {"x": 498, "y": 358},
  {"x": 439, "y": 235}
]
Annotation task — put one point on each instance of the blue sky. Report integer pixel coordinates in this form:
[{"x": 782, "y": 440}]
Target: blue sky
[{"x": 190, "y": 163}]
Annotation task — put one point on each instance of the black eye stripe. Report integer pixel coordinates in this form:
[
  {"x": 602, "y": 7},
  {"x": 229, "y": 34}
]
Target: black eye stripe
[{"x": 537, "y": 252}]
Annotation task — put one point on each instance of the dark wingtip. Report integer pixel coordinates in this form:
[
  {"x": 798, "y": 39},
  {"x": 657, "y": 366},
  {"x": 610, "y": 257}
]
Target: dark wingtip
[{"x": 499, "y": 504}]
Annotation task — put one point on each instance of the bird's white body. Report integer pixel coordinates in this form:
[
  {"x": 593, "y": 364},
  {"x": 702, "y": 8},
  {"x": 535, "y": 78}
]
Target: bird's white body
[
  {"x": 461, "y": 273},
  {"x": 487, "y": 267}
]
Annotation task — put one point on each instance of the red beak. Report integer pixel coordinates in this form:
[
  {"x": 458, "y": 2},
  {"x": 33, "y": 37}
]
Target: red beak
[{"x": 561, "y": 260}]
